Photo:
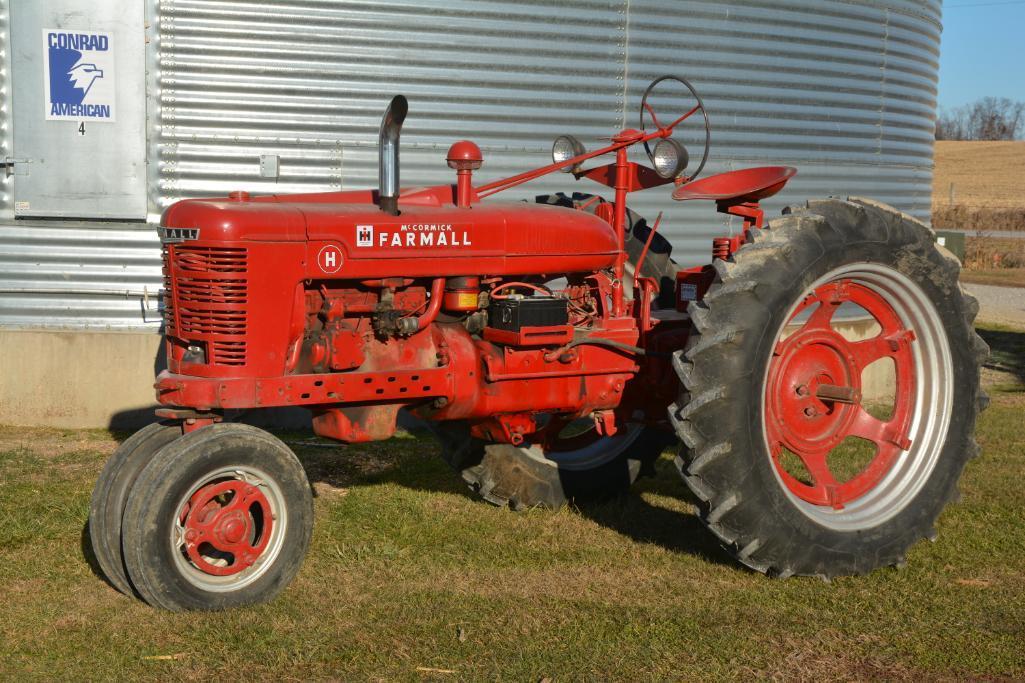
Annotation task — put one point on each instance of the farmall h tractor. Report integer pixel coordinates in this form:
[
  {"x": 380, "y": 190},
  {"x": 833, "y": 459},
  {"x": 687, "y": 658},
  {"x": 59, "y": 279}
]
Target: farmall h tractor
[{"x": 557, "y": 350}]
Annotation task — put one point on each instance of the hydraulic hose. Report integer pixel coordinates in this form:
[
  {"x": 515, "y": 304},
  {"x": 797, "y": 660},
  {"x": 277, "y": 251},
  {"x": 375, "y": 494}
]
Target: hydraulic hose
[
  {"x": 597, "y": 341},
  {"x": 410, "y": 326}
]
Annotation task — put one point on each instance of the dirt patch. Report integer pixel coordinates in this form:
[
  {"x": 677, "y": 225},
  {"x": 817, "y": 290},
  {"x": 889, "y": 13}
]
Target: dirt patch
[
  {"x": 335, "y": 467},
  {"x": 54, "y": 443}
]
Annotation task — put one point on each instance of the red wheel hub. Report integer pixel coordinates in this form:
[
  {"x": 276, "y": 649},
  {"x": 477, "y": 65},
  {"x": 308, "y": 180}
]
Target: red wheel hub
[
  {"x": 227, "y": 526},
  {"x": 813, "y": 394}
]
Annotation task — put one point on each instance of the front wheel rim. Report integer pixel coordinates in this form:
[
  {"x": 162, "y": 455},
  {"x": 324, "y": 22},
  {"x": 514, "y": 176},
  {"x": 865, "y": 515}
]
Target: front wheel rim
[
  {"x": 816, "y": 360},
  {"x": 228, "y": 529}
]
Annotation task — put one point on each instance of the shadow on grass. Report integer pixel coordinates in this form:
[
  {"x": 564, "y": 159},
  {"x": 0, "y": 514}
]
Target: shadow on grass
[
  {"x": 1007, "y": 350},
  {"x": 633, "y": 517},
  {"x": 415, "y": 463}
]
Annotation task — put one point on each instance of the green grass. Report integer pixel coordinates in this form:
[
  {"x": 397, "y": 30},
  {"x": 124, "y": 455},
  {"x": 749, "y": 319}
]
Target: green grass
[{"x": 408, "y": 578}]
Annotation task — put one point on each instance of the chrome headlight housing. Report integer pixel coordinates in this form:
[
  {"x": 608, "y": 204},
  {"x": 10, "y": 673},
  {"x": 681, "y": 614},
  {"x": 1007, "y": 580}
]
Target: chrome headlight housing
[
  {"x": 565, "y": 148},
  {"x": 669, "y": 158}
]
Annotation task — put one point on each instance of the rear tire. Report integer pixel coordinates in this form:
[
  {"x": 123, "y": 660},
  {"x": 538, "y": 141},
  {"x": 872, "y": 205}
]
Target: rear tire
[
  {"x": 745, "y": 403},
  {"x": 524, "y": 477},
  {"x": 219, "y": 518},
  {"x": 110, "y": 496}
]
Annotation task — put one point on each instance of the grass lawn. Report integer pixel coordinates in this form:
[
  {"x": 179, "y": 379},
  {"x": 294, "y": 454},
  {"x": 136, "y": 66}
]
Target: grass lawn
[{"x": 410, "y": 579}]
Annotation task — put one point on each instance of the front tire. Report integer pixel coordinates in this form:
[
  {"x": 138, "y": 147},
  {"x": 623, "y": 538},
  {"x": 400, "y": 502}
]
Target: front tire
[
  {"x": 110, "y": 495},
  {"x": 767, "y": 376},
  {"x": 220, "y": 518}
]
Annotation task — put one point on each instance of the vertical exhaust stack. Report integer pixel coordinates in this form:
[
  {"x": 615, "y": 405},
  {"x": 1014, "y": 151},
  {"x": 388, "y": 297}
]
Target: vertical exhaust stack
[{"x": 388, "y": 149}]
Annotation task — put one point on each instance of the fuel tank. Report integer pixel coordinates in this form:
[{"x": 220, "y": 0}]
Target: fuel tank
[{"x": 347, "y": 236}]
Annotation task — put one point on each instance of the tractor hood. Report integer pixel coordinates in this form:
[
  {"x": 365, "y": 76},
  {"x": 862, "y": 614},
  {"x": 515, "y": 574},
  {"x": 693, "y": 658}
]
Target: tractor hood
[{"x": 429, "y": 236}]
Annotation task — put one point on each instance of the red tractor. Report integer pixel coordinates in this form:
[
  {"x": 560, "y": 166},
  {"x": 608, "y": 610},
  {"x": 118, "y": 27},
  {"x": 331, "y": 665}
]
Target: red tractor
[{"x": 557, "y": 350}]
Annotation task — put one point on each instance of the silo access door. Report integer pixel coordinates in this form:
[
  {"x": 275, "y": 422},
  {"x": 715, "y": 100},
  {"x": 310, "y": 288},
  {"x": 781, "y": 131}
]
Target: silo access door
[{"x": 79, "y": 109}]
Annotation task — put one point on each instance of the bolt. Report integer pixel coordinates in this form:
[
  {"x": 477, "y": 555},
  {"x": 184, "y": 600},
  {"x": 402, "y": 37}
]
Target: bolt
[
  {"x": 802, "y": 390},
  {"x": 810, "y": 412}
]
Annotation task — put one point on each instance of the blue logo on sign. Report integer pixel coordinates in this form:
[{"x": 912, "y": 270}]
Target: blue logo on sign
[{"x": 71, "y": 77}]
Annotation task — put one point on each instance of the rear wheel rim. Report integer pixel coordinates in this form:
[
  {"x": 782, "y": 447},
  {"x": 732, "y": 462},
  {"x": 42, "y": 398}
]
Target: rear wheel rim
[
  {"x": 587, "y": 449},
  {"x": 816, "y": 359},
  {"x": 228, "y": 529}
]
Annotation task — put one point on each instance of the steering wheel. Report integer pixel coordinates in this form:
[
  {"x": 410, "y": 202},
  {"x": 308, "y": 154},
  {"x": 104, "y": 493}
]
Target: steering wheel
[{"x": 645, "y": 107}]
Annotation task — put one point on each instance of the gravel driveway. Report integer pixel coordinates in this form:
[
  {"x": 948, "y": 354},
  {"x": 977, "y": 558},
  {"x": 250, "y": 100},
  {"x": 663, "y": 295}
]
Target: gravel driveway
[{"x": 1005, "y": 305}]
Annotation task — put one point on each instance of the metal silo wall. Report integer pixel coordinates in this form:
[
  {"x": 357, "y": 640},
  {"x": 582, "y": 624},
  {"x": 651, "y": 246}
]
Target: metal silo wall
[
  {"x": 309, "y": 81},
  {"x": 70, "y": 274},
  {"x": 843, "y": 90}
]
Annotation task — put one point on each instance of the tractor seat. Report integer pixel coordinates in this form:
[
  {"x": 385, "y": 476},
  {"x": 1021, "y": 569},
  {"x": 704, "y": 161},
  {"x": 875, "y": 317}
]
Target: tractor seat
[{"x": 737, "y": 187}]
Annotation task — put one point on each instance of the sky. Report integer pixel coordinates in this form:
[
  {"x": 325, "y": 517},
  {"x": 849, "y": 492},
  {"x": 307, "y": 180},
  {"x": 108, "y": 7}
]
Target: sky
[{"x": 982, "y": 51}]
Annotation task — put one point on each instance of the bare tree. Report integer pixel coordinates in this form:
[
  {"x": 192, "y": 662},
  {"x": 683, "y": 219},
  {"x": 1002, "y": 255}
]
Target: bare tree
[{"x": 990, "y": 118}]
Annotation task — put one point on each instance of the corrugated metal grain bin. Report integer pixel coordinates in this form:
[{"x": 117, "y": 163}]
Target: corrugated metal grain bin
[{"x": 207, "y": 96}]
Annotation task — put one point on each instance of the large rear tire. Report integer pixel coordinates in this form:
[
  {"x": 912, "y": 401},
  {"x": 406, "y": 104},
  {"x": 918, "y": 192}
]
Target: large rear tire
[
  {"x": 768, "y": 379},
  {"x": 531, "y": 476},
  {"x": 220, "y": 518}
]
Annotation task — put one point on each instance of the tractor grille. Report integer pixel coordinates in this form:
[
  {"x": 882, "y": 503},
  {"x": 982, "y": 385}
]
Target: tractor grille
[{"x": 206, "y": 299}]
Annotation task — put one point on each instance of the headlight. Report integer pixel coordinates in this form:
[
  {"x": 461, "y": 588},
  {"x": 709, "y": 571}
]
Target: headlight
[
  {"x": 565, "y": 148},
  {"x": 669, "y": 158}
]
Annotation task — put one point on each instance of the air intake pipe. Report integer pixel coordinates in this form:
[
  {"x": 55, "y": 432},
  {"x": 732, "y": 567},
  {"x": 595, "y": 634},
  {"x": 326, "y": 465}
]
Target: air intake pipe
[{"x": 388, "y": 149}]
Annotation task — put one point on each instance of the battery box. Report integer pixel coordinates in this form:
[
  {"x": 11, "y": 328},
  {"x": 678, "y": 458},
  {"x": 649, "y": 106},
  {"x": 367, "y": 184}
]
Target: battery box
[{"x": 535, "y": 311}]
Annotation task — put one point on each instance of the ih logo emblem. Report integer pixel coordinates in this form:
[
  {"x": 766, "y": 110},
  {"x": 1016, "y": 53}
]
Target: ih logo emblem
[
  {"x": 364, "y": 235},
  {"x": 78, "y": 75},
  {"x": 330, "y": 259}
]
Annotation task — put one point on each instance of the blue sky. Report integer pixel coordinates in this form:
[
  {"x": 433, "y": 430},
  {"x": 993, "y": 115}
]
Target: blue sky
[{"x": 982, "y": 52}]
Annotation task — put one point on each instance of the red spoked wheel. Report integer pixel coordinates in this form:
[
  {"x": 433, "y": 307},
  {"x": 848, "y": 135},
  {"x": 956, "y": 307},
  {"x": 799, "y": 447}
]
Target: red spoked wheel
[
  {"x": 813, "y": 399},
  {"x": 830, "y": 387},
  {"x": 219, "y": 518},
  {"x": 226, "y": 526},
  {"x": 846, "y": 462}
]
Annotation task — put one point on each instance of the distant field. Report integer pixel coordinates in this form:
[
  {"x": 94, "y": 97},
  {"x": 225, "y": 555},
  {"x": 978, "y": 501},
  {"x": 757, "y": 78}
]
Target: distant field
[
  {"x": 989, "y": 196},
  {"x": 989, "y": 186},
  {"x": 985, "y": 174}
]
